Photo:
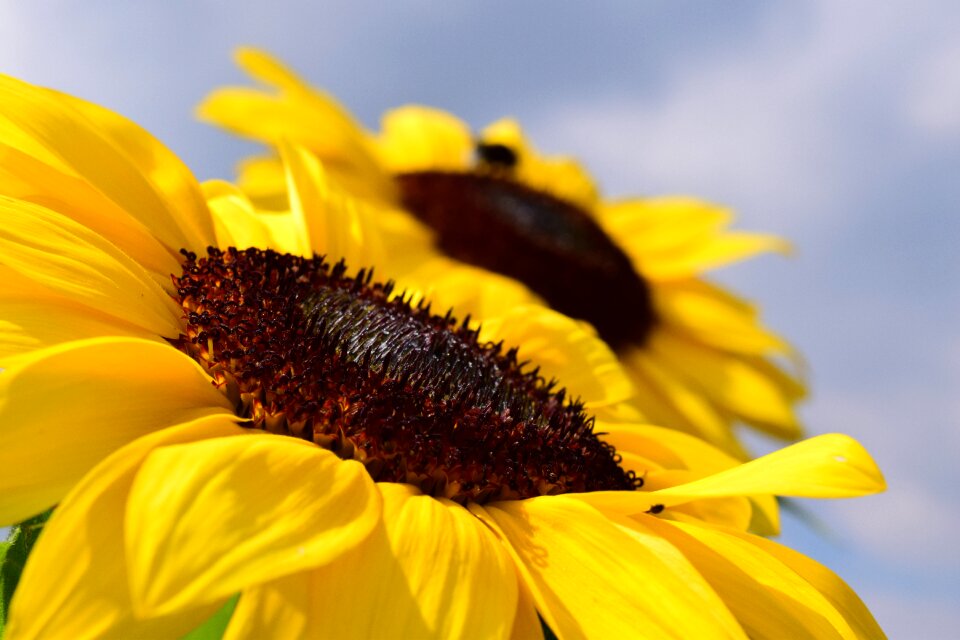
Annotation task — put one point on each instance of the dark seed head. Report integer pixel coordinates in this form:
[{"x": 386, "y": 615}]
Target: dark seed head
[
  {"x": 305, "y": 350},
  {"x": 556, "y": 249}
]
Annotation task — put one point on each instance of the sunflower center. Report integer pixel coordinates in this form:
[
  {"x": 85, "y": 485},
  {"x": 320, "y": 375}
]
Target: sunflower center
[
  {"x": 304, "y": 350},
  {"x": 492, "y": 221}
]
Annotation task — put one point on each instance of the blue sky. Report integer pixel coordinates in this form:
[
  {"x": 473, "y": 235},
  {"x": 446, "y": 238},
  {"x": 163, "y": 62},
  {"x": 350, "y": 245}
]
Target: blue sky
[{"x": 835, "y": 124}]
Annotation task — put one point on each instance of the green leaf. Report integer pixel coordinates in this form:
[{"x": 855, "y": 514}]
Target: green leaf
[
  {"x": 216, "y": 624},
  {"x": 548, "y": 633},
  {"x": 4, "y": 546},
  {"x": 13, "y": 557}
]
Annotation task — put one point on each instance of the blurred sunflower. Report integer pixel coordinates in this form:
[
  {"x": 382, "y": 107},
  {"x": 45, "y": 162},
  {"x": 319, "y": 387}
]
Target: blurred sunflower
[
  {"x": 697, "y": 354},
  {"x": 259, "y": 422}
]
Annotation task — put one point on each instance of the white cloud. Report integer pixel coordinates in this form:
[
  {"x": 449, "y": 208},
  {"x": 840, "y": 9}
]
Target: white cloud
[
  {"x": 935, "y": 96},
  {"x": 773, "y": 127},
  {"x": 909, "y": 526}
]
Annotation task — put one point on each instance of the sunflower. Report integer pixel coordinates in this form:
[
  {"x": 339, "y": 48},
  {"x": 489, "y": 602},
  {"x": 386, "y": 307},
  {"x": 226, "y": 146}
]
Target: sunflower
[
  {"x": 218, "y": 414},
  {"x": 101, "y": 221},
  {"x": 697, "y": 354}
]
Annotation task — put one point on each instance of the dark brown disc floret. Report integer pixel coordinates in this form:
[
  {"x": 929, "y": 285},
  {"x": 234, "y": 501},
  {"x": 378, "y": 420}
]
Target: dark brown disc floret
[
  {"x": 488, "y": 219},
  {"x": 304, "y": 350}
]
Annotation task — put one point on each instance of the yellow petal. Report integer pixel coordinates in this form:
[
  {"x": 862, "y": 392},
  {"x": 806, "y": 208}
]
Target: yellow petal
[
  {"x": 448, "y": 284},
  {"x": 665, "y": 398},
  {"x": 841, "y": 596},
  {"x": 241, "y": 512},
  {"x": 711, "y": 253},
  {"x": 790, "y": 382},
  {"x": 460, "y": 575},
  {"x": 65, "y": 408},
  {"x": 262, "y": 66},
  {"x": 565, "y": 350},
  {"x": 324, "y": 602},
  {"x": 769, "y": 599},
  {"x": 733, "y": 513},
  {"x": 705, "y": 314},
  {"x": 338, "y": 226},
  {"x": 254, "y": 114},
  {"x": 591, "y": 579},
  {"x": 71, "y": 260},
  {"x": 827, "y": 466},
  {"x": 730, "y": 382},
  {"x": 302, "y": 114},
  {"x": 765, "y": 519},
  {"x": 526, "y": 624},
  {"x": 648, "y": 228},
  {"x": 281, "y": 608},
  {"x": 665, "y": 468},
  {"x": 345, "y": 153},
  {"x": 75, "y": 584},
  {"x": 667, "y": 447},
  {"x": 264, "y": 180},
  {"x": 625, "y": 412},
  {"x": 28, "y": 324},
  {"x": 415, "y": 138},
  {"x": 42, "y": 124},
  {"x": 638, "y": 464},
  {"x": 236, "y": 223},
  {"x": 672, "y": 237},
  {"x": 27, "y": 177},
  {"x": 168, "y": 175},
  {"x": 430, "y": 570},
  {"x": 241, "y": 225}
]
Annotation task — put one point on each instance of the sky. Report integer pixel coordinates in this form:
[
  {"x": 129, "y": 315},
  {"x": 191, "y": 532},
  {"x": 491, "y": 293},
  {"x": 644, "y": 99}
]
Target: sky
[{"x": 835, "y": 124}]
